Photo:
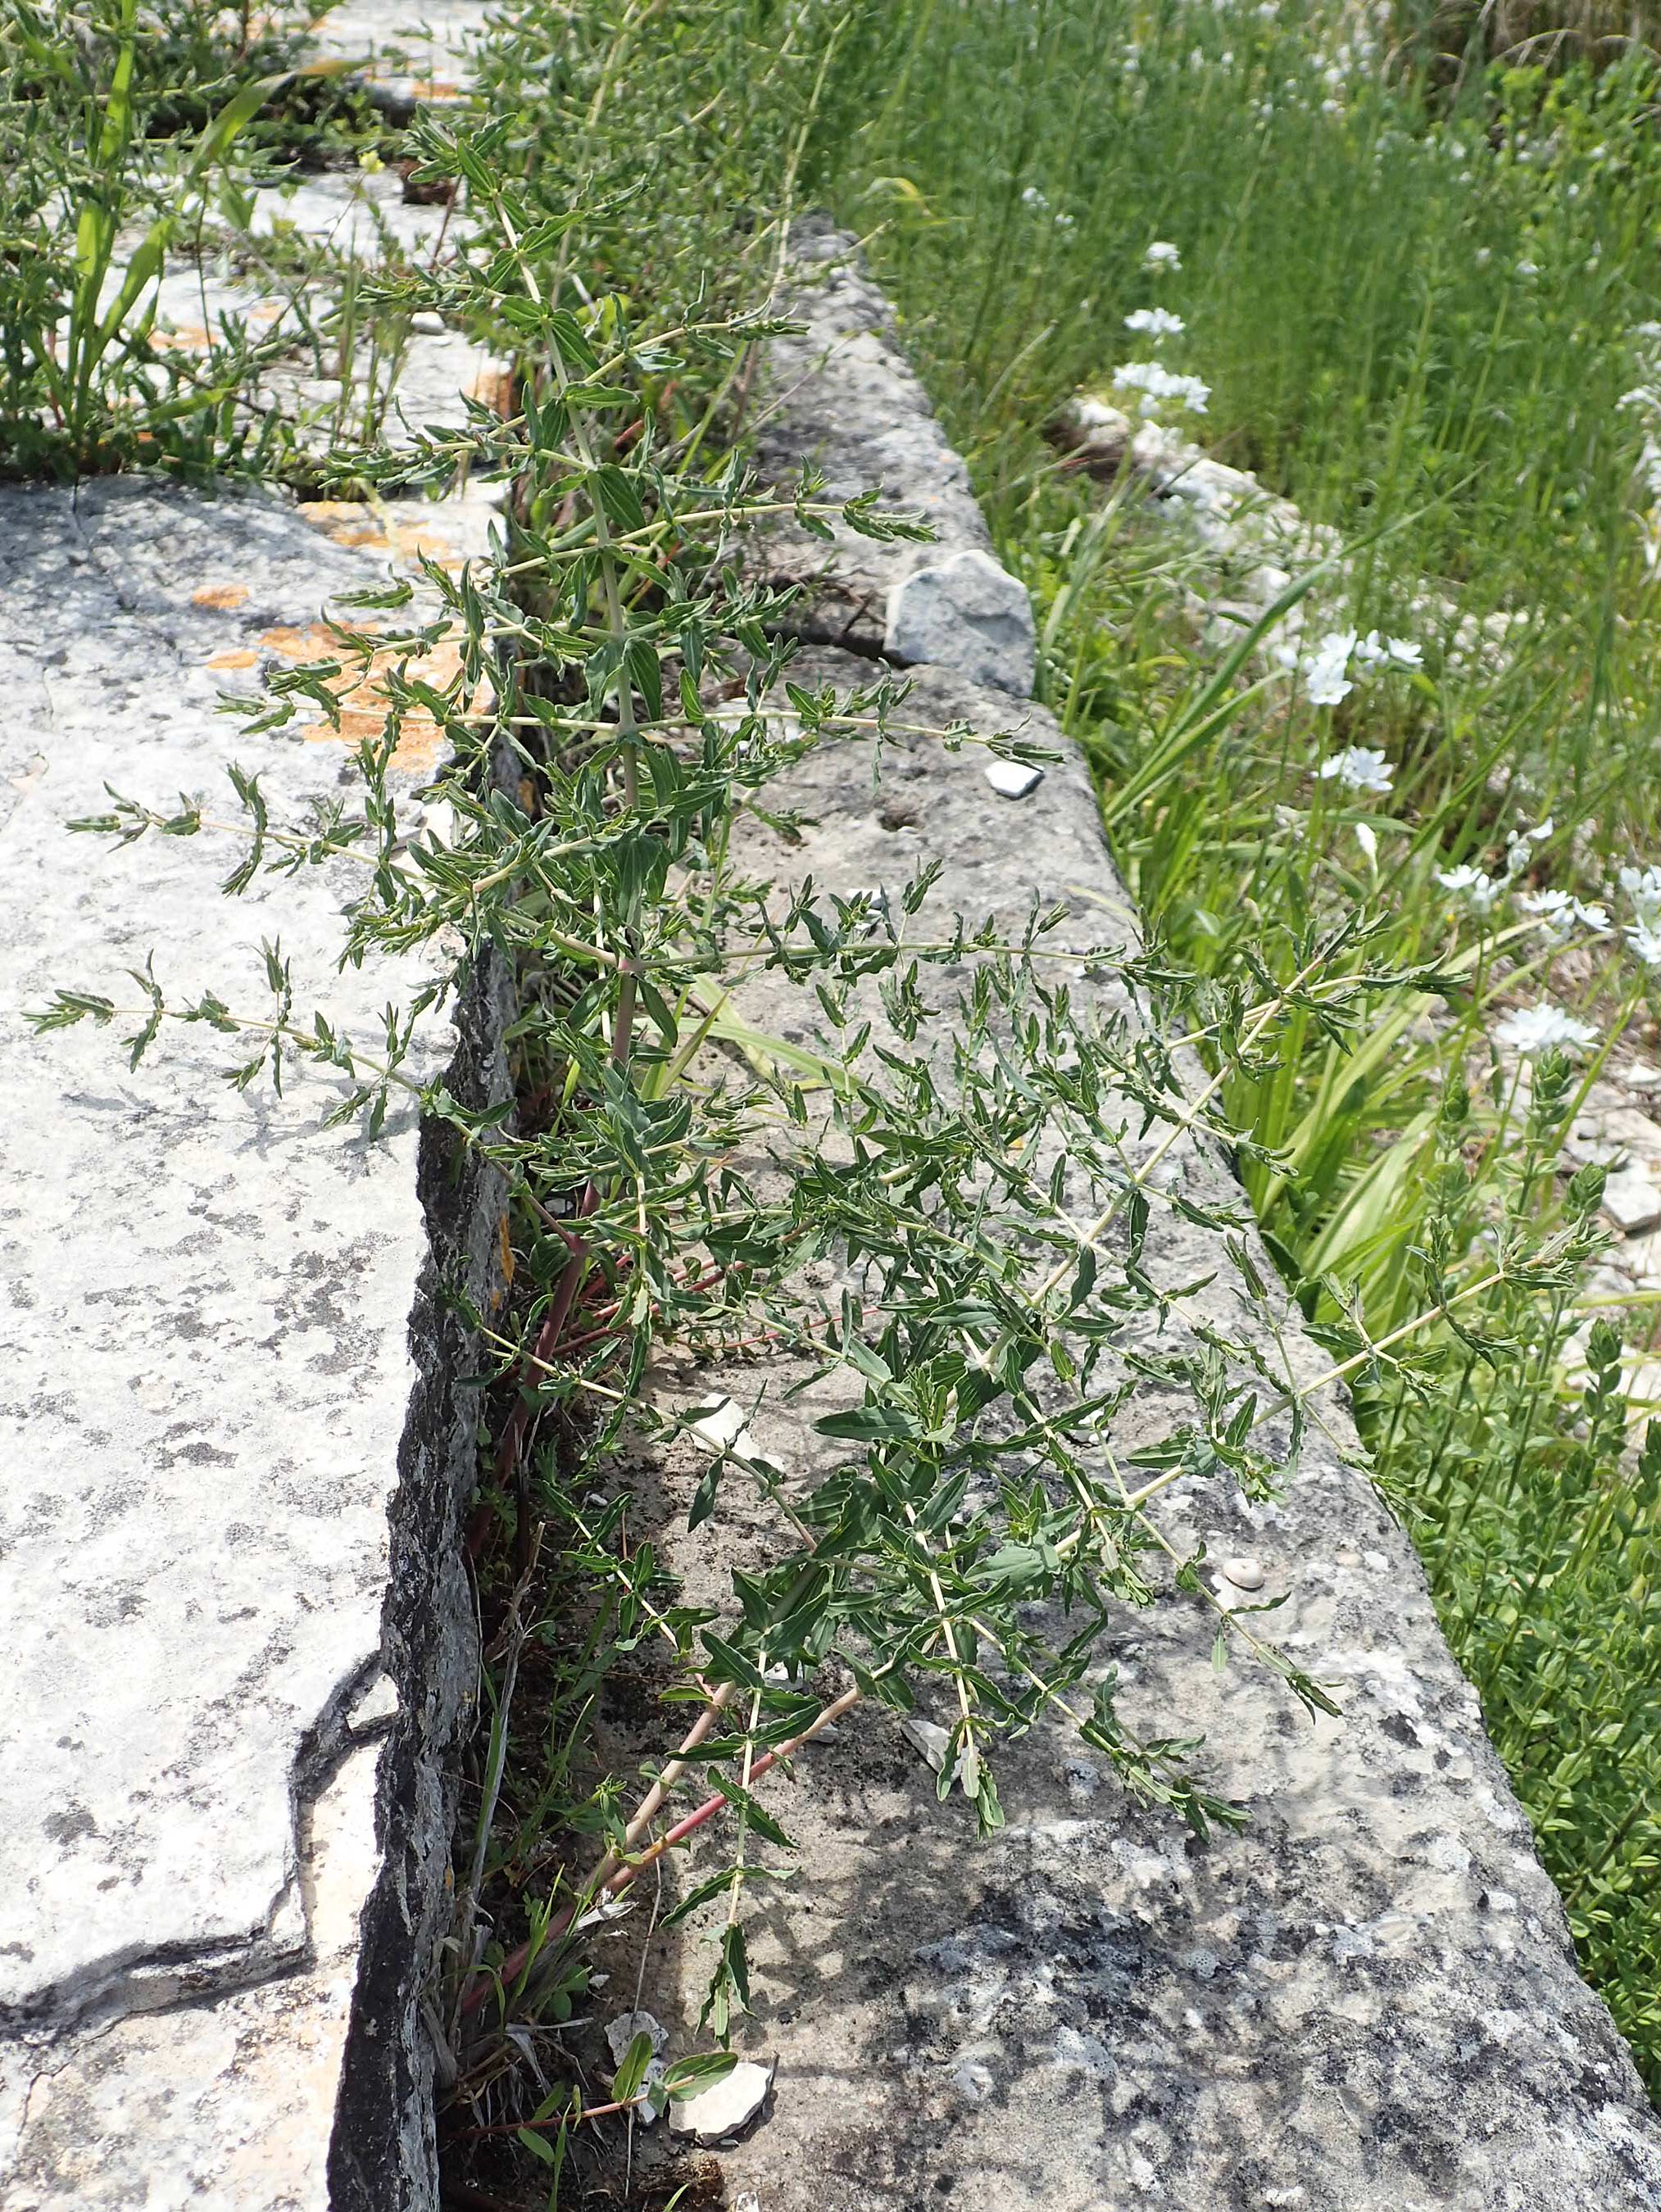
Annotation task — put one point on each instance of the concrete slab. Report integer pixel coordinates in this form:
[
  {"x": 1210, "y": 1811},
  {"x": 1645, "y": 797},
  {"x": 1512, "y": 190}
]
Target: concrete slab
[
  {"x": 1367, "y": 2001},
  {"x": 230, "y": 1432}
]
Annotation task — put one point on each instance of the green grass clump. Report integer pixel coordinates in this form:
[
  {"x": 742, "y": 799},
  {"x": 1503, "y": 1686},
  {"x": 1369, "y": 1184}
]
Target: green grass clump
[{"x": 1422, "y": 304}]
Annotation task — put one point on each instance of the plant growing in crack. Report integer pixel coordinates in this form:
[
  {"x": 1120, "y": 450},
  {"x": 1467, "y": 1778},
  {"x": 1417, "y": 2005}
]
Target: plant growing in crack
[{"x": 979, "y": 1150}]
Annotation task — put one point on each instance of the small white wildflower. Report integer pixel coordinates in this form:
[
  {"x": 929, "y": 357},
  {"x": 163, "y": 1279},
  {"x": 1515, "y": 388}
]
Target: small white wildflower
[
  {"x": 1157, "y": 322},
  {"x": 1645, "y": 942},
  {"x": 1528, "y": 268},
  {"x": 1518, "y": 842},
  {"x": 1065, "y": 222},
  {"x": 1373, "y": 651},
  {"x": 1643, "y": 887},
  {"x": 1473, "y": 885},
  {"x": 1358, "y": 767},
  {"x": 1367, "y": 840},
  {"x": 1155, "y": 383},
  {"x": 1033, "y": 197},
  {"x": 1162, "y": 254},
  {"x": 1327, "y": 681},
  {"x": 1533, "y": 1029},
  {"x": 1554, "y": 911}
]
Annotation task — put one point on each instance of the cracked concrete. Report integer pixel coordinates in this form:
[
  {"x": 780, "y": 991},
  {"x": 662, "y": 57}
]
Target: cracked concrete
[
  {"x": 240, "y": 1650},
  {"x": 228, "y": 1406}
]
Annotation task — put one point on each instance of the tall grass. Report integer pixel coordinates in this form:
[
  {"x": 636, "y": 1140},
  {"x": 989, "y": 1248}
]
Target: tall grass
[{"x": 1418, "y": 302}]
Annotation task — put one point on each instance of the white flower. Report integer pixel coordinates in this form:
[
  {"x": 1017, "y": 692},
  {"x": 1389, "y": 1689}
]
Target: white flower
[
  {"x": 1643, "y": 887},
  {"x": 1162, "y": 254},
  {"x": 1155, "y": 383},
  {"x": 1559, "y": 912},
  {"x": 1645, "y": 942},
  {"x": 1157, "y": 322},
  {"x": 1518, "y": 842},
  {"x": 1327, "y": 683},
  {"x": 1473, "y": 885},
  {"x": 1554, "y": 909},
  {"x": 1373, "y": 650},
  {"x": 1533, "y": 1029},
  {"x": 1065, "y": 222},
  {"x": 1528, "y": 268},
  {"x": 1366, "y": 839},
  {"x": 1358, "y": 767},
  {"x": 1033, "y": 197}
]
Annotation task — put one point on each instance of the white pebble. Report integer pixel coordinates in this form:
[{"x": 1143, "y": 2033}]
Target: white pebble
[
  {"x": 1244, "y": 1574},
  {"x": 1010, "y": 780},
  {"x": 721, "y": 2110}
]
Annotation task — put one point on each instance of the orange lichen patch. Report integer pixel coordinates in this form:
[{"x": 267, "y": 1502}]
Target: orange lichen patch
[
  {"x": 493, "y": 387},
  {"x": 317, "y": 641},
  {"x": 507, "y": 1247},
  {"x": 237, "y": 657},
  {"x": 364, "y": 702},
  {"x": 413, "y": 538},
  {"x": 220, "y": 595},
  {"x": 343, "y": 521}
]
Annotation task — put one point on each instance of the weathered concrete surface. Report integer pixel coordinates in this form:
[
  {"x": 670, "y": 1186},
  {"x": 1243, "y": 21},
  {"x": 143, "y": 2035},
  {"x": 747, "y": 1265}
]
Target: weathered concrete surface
[
  {"x": 839, "y": 395},
  {"x": 234, "y": 1455},
  {"x": 1365, "y": 2002}
]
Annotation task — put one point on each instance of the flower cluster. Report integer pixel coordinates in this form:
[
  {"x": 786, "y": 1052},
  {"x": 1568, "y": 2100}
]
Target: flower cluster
[
  {"x": 1643, "y": 932},
  {"x": 1473, "y": 887},
  {"x": 1327, "y": 679},
  {"x": 1531, "y": 1031},
  {"x": 1358, "y": 767},
  {"x": 1156, "y": 383},
  {"x": 1558, "y": 912}
]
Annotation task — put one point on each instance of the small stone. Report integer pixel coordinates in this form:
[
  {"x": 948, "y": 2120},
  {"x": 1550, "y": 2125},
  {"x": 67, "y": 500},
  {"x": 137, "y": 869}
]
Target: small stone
[
  {"x": 927, "y": 1737},
  {"x": 1631, "y": 1201},
  {"x": 428, "y": 323},
  {"x": 966, "y": 613},
  {"x": 721, "y": 2113},
  {"x": 1244, "y": 1574},
  {"x": 1640, "y": 1076},
  {"x": 621, "y": 2033},
  {"x": 1014, "y": 779}
]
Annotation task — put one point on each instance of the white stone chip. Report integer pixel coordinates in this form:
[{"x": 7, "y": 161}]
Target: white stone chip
[
  {"x": 1244, "y": 1574},
  {"x": 720, "y": 2113},
  {"x": 427, "y": 322},
  {"x": 1014, "y": 779}
]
